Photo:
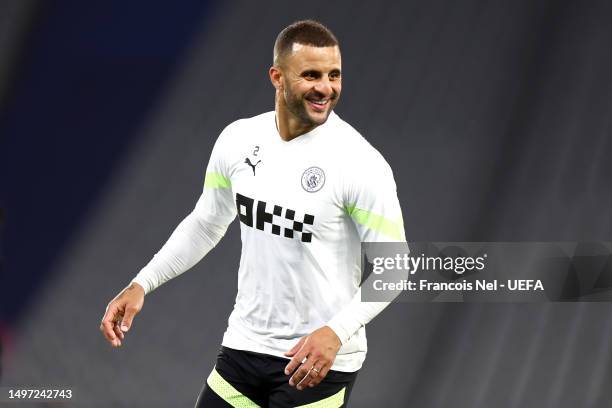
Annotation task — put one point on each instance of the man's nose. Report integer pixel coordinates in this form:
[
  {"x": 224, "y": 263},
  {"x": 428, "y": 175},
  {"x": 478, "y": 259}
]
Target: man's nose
[{"x": 324, "y": 86}]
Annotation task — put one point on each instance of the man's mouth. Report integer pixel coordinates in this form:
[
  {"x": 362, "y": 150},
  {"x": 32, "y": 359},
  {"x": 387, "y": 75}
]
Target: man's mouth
[{"x": 318, "y": 105}]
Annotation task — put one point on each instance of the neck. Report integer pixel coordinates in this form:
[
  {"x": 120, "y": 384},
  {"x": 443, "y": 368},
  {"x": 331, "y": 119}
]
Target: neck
[{"x": 289, "y": 127}]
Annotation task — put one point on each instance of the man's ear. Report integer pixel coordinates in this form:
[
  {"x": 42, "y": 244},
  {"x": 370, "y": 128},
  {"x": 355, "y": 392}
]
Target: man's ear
[{"x": 276, "y": 77}]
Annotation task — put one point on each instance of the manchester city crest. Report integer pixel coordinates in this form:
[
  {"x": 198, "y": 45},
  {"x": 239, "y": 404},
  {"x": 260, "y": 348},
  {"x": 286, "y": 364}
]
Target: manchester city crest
[{"x": 313, "y": 179}]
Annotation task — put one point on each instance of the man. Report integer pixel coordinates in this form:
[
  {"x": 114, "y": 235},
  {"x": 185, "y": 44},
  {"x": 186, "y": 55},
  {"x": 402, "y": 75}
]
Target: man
[{"x": 308, "y": 189}]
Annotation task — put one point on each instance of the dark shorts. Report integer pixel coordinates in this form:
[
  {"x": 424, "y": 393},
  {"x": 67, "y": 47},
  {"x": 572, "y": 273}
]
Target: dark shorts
[{"x": 246, "y": 379}]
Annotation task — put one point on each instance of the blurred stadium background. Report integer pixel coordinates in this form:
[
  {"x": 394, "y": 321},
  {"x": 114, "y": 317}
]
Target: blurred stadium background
[{"x": 495, "y": 116}]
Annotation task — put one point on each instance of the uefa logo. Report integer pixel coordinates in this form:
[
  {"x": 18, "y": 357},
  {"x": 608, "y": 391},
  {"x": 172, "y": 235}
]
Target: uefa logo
[{"x": 313, "y": 179}]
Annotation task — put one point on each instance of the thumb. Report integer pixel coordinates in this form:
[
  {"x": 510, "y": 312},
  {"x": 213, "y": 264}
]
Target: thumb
[
  {"x": 128, "y": 317},
  {"x": 296, "y": 348}
]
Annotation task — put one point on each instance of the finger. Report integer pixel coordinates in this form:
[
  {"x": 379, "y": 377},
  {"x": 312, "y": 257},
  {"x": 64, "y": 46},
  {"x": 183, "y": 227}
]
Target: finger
[
  {"x": 118, "y": 335},
  {"x": 128, "y": 317},
  {"x": 298, "y": 376},
  {"x": 304, "y": 375},
  {"x": 109, "y": 335},
  {"x": 107, "y": 330},
  {"x": 118, "y": 331},
  {"x": 297, "y": 359},
  {"x": 296, "y": 348},
  {"x": 320, "y": 376},
  {"x": 301, "y": 372},
  {"x": 306, "y": 380},
  {"x": 108, "y": 321}
]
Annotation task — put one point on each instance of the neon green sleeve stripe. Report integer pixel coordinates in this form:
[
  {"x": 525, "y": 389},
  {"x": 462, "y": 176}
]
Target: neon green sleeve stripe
[
  {"x": 335, "y": 401},
  {"x": 216, "y": 180},
  {"x": 377, "y": 222},
  {"x": 227, "y": 392}
]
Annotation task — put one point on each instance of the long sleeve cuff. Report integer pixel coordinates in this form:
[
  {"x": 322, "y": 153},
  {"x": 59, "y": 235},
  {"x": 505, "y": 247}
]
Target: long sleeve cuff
[{"x": 354, "y": 316}]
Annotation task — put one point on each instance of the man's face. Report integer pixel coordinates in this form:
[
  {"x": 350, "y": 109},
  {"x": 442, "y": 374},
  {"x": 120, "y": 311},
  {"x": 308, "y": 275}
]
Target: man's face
[{"x": 311, "y": 82}]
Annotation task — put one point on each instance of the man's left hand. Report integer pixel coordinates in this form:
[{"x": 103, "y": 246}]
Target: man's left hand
[{"x": 313, "y": 357}]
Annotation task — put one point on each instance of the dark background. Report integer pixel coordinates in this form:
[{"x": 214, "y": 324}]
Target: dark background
[{"x": 495, "y": 116}]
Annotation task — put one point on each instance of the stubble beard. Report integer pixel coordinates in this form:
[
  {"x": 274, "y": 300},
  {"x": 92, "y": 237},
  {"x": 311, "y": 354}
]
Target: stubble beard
[{"x": 297, "y": 106}]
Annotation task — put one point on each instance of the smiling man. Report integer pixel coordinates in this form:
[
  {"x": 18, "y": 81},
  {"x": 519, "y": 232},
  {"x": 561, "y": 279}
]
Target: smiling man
[{"x": 307, "y": 189}]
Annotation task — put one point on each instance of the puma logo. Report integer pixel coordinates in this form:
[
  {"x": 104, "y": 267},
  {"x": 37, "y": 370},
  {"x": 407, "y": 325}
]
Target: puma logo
[{"x": 248, "y": 161}]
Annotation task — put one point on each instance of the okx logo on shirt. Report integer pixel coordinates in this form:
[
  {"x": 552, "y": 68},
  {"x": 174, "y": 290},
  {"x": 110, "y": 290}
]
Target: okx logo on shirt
[{"x": 253, "y": 214}]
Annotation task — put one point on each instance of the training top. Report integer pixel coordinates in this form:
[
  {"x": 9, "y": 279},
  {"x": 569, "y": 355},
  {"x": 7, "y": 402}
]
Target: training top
[{"x": 304, "y": 207}]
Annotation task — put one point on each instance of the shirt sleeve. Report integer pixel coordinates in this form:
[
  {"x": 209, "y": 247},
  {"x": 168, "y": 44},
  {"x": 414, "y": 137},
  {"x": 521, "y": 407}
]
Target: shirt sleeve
[
  {"x": 201, "y": 230},
  {"x": 370, "y": 200}
]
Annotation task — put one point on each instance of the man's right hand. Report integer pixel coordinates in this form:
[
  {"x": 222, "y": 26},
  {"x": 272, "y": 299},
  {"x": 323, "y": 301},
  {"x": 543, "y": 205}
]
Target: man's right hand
[{"x": 120, "y": 313}]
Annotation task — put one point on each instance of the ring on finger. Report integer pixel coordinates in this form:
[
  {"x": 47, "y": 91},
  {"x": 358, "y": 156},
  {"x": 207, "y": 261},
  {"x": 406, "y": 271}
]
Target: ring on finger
[{"x": 313, "y": 372}]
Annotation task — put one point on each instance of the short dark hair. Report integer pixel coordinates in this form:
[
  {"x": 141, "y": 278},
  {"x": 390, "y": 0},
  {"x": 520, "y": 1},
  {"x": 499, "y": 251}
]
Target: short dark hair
[{"x": 306, "y": 32}]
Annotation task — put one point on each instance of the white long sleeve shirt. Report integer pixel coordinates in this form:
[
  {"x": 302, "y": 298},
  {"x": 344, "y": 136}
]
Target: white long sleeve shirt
[{"x": 304, "y": 208}]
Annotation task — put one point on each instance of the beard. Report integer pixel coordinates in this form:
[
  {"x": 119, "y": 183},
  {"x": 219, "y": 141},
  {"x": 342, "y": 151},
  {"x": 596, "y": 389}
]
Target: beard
[{"x": 297, "y": 105}]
